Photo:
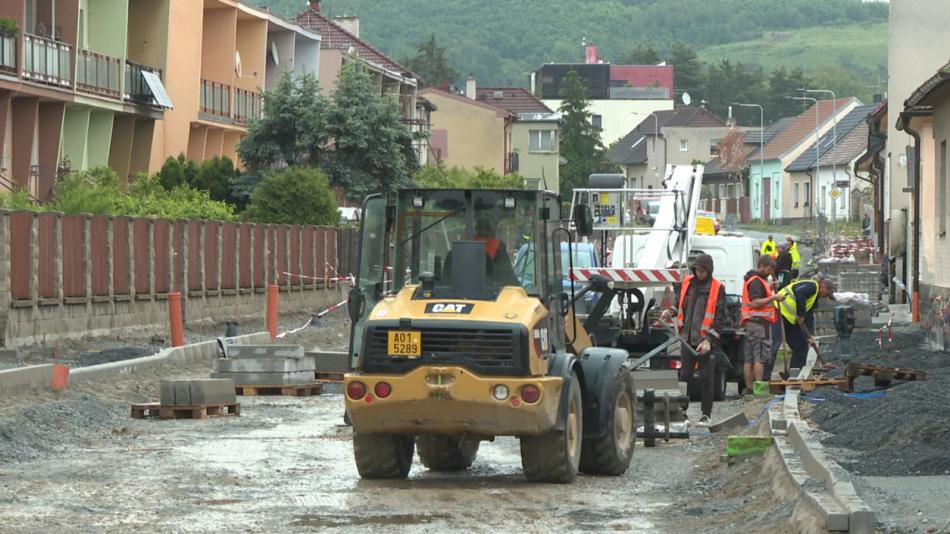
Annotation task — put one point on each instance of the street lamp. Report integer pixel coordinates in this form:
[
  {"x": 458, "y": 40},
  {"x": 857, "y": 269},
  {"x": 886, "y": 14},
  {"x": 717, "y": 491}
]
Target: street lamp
[
  {"x": 834, "y": 160},
  {"x": 761, "y": 134},
  {"x": 817, "y": 144}
]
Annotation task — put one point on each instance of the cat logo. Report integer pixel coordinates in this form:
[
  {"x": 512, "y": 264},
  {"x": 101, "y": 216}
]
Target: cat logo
[{"x": 449, "y": 307}]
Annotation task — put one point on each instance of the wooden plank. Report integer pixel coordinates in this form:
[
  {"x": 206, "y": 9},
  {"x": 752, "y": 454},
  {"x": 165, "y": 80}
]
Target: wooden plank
[
  {"x": 297, "y": 390},
  {"x": 156, "y": 410}
]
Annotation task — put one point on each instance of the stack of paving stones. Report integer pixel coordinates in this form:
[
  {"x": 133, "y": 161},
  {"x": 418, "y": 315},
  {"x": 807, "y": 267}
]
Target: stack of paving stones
[
  {"x": 197, "y": 392},
  {"x": 266, "y": 365}
]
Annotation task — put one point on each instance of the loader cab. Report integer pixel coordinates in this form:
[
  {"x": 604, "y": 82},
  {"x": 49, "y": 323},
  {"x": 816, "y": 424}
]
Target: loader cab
[{"x": 461, "y": 246}]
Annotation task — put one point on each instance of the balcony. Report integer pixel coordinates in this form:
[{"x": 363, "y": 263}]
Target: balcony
[
  {"x": 137, "y": 90},
  {"x": 47, "y": 61},
  {"x": 247, "y": 105},
  {"x": 215, "y": 99},
  {"x": 8, "y": 54},
  {"x": 98, "y": 74}
]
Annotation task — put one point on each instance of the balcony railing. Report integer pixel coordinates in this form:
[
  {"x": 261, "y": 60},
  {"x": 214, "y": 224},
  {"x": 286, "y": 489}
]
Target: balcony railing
[
  {"x": 47, "y": 61},
  {"x": 136, "y": 90},
  {"x": 216, "y": 98},
  {"x": 247, "y": 105},
  {"x": 98, "y": 74},
  {"x": 8, "y": 54}
]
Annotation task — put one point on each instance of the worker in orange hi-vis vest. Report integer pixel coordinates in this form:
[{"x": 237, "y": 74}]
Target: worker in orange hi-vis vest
[
  {"x": 701, "y": 316},
  {"x": 758, "y": 315}
]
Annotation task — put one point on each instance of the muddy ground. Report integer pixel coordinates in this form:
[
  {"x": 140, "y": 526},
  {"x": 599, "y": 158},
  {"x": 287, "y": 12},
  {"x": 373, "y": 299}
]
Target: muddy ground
[{"x": 75, "y": 460}]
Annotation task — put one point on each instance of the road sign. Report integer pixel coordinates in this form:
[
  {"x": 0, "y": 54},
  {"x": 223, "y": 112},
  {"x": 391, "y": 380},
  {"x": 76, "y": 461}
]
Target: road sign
[{"x": 835, "y": 193}]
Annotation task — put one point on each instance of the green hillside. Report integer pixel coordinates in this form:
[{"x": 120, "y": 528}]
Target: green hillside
[
  {"x": 858, "y": 49},
  {"x": 502, "y": 41}
]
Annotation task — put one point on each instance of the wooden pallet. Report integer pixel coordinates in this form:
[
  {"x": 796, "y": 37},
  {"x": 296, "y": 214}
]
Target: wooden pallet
[
  {"x": 156, "y": 410},
  {"x": 883, "y": 376},
  {"x": 300, "y": 390},
  {"x": 328, "y": 377},
  {"x": 778, "y": 386}
]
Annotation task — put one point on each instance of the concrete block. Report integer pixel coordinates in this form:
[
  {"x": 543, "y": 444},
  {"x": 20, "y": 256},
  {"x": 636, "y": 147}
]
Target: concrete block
[
  {"x": 264, "y": 365},
  {"x": 265, "y": 351},
  {"x": 22, "y": 379},
  {"x": 737, "y": 420},
  {"x": 268, "y": 379},
  {"x": 331, "y": 362},
  {"x": 197, "y": 392}
]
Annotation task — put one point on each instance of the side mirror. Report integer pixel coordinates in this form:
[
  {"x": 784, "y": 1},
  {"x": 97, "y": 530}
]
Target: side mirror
[
  {"x": 601, "y": 284},
  {"x": 355, "y": 302},
  {"x": 583, "y": 220}
]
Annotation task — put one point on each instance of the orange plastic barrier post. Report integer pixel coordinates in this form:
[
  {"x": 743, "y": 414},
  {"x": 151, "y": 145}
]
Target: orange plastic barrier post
[
  {"x": 174, "y": 319},
  {"x": 60, "y": 377},
  {"x": 272, "y": 300}
]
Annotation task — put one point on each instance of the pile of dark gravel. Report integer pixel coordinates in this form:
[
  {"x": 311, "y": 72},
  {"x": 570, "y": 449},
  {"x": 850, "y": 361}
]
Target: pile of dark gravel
[
  {"x": 907, "y": 431},
  {"x": 50, "y": 427}
]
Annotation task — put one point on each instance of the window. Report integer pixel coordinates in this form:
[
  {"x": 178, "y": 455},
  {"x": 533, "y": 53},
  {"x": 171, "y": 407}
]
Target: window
[
  {"x": 542, "y": 140},
  {"x": 597, "y": 121},
  {"x": 942, "y": 191},
  {"x": 714, "y": 147},
  {"x": 684, "y": 145},
  {"x": 824, "y": 195},
  {"x": 807, "y": 193},
  {"x": 532, "y": 184},
  {"x": 795, "y": 195}
]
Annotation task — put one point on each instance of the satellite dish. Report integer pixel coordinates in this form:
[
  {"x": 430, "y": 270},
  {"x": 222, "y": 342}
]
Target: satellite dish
[
  {"x": 237, "y": 64},
  {"x": 273, "y": 53},
  {"x": 687, "y": 100}
]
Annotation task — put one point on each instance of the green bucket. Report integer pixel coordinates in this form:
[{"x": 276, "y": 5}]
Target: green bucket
[{"x": 760, "y": 389}]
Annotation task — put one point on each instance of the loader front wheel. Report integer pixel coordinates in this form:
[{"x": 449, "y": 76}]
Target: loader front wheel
[
  {"x": 611, "y": 453},
  {"x": 382, "y": 455},
  {"x": 555, "y": 455}
]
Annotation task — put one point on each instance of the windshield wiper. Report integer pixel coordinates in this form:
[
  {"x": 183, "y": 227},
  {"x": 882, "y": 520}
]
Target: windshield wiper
[{"x": 437, "y": 221}]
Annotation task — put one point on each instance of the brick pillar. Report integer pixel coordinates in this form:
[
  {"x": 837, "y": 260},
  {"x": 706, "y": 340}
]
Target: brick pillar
[
  {"x": 87, "y": 259},
  {"x": 110, "y": 259},
  {"x": 201, "y": 256}
]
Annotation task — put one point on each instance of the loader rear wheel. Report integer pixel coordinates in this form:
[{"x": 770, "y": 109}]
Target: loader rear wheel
[
  {"x": 611, "y": 453},
  {"x": 555, "y": 456},
  {"x": 446, "y": 453},
  {"x": 382, "y": 455}
]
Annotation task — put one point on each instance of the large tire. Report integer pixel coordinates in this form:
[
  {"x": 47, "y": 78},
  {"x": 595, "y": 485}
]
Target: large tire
[
  {"x": 382, "y": 455},
  {"x": 555, "y": 456},
  {"x": 446, "y": 453},
  {"x": 719, "y": 384},
  {"x": 611, "y": 453}
]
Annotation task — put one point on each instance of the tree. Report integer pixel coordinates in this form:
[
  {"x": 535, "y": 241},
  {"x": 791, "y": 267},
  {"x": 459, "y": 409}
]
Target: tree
[
  {"x": 688, "y": 69},
  {"x": 296, "y": 195},
  {"x": 441, "y": 177},
  {"x": 372, "y": 148},
  {"x": 641, "y": 54},
  {"x": 781, "y": 85},
  {"x": 728, "y": 82},
  {"x": 580, "y": 141},
  {"x": 430, "y": 64},
  {"x": 293, "y": 130},
  {"x": 215, "y": 176},
  {"x": 177, "y": 171}
]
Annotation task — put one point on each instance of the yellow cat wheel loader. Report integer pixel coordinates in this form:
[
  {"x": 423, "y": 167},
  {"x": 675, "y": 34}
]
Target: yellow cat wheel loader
[{"x": 462, "y": 331}]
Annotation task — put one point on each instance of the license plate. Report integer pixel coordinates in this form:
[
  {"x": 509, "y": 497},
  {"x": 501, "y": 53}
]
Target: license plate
[{"x": 404, "y": 344}]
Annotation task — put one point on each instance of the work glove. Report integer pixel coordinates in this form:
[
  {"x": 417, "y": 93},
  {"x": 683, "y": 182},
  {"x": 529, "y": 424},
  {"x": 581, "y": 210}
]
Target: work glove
[{"x": 703, "y": 347}]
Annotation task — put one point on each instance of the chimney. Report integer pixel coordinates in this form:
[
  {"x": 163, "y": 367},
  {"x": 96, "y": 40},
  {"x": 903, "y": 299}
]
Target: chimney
[
  {"x": 470, "y": 87},
  {"x": 348, "y": 23},
  {"x": 315, "y": 5},
  {"x": 590, "y": 54}
]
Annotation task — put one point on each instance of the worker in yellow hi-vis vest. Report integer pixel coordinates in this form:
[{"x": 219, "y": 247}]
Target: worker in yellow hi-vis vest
[
  {"x": 797, "y": 318},
  {"x": 770, "y": 248},
  {"x": 792, "y": 248}
]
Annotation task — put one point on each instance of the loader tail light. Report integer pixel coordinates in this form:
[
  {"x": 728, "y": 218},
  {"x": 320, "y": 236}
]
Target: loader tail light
[
  {"x": 530, "y": 394},
  {"x": 356, "y": 390},
  {"x": 675, "y": 364},
  {"x": 383, "y": 389}
]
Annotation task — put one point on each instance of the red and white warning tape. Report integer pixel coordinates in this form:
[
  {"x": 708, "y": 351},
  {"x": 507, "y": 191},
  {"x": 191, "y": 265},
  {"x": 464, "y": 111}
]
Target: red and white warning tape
[
  {"x": 348, "y": 278},
  {"x": 311, "y": 319}
]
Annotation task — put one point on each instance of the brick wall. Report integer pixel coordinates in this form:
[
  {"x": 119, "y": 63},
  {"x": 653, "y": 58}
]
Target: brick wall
[{"x": 73, "y": 275}]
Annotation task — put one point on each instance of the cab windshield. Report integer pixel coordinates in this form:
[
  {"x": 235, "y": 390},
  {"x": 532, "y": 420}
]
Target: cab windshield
[{"x": 430, "y": 222}]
